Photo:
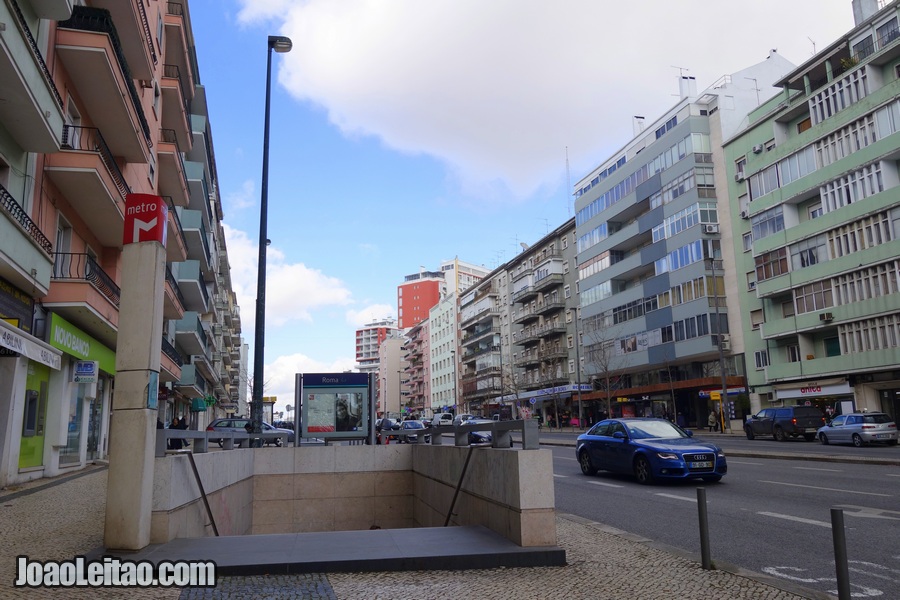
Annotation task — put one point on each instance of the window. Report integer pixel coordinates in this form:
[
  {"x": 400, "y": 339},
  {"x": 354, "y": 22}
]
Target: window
[
  {"x": 748, "y": 242},
  {"x": 887, "y": 33},
  {"x": 762, "y": 359},
  {"x": 787, "y": 309},
  {"x": 804, "y": 124},
  {"x": 815, "y": 211},
  {"x": 567, "y": 291},
  {"x": 756, "y": 318},
  {"x": 771, "y": 264},
  {"x": 793, "y": 353},
  {"x": 767, "y": 223},
  {"x": 808, "y": 252}
]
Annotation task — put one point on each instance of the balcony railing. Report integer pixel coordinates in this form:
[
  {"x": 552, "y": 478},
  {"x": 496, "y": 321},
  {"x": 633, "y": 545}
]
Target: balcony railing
[
  {"x": 175, "y": 217},
  {"x": 36, "y": 53},
  {"x": 170, "y": 279},
  {"x": 170, "y": 351},
  {"x": 172, "y": 72},
  {"x": 17, "y": 213},
  {"x": 169, "y": 137},
  {"x": 89, "y": 139},
  {"x": 80, "y": 266},
  {"x": 148, "y": 37},
  {"x": 98, "y": 20}
]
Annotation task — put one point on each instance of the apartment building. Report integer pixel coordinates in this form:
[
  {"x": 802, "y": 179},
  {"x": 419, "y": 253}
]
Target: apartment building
[
  {"x": 417, "y": 373},
  {"x": 481, "y": 313},
  {"x": 390, "y": 390},
  {"x": 443, "y": 344},
  {"x": 657, "y": 315},
  {"x": 368, "y": 340},
  {"x": 817, "y": 231},
  {"x": 100, "y": 100},
  {"x": 542, "y": 350}
]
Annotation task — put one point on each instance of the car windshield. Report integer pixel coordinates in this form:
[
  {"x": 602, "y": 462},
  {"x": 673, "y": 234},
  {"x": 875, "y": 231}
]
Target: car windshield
[
  {"x": 413, "y": 425},
  {"x": 877, "y": 418},
  {"x": 653, "y": 429}
]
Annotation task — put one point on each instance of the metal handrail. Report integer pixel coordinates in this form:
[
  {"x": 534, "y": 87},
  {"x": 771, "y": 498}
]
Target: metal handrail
[
  {"x": 89, "y": 139},
  {"x": 172, "y": 72},
  {"x": 23, "y": 26},
  {"x": 170, "y": 279},
  {"x": 17, "y": 213},
  {"x": 170, "y": 351},
  {"x": 80, "y": 266},
  {"x": 148, "y": 37}
]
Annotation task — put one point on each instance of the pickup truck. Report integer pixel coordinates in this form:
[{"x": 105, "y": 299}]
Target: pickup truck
[{"x": 784, "y": 422}]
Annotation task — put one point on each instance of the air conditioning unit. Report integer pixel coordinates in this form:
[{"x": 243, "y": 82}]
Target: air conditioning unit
[
  {"x": 826, "y": 317},
  {"x": 745, "y": 214},
  {"x": 710, "y": 229},
  {"x": 757, "y": 149},
  {"x": 739, "y": 176},
  {"x": 725, "y": 343}
]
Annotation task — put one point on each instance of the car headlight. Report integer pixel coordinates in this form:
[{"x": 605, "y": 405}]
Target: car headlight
[
  {"x": 720, "y": 454},
  {"x": 667, "y": 455}
]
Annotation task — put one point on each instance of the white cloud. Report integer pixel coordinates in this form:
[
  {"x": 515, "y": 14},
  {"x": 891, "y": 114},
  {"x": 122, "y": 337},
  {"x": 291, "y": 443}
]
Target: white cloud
[
  {"x": 375, "y": 312},
  {"x": 293, "y": 290},
  {"x": 279, "y": 375},
  {"x": 242, "y": 198},
  {"x": 498, "y": 90}
]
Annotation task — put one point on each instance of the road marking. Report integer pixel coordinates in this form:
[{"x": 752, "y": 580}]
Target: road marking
[
  {"x": 612, "y": 485},
  {"x": 813, "y": 487},
  {"x": 872, "y": 513},
  {"x": 740, "y": 462},
  {"x": 566, "y": 458},
  {"x": 797, "y": 519},
  {"x": 892, "y": 474},
  {"x": 673, "y": 496},
  {"x": 815, "y": 469},
  {"x": 560, "y": 476}
]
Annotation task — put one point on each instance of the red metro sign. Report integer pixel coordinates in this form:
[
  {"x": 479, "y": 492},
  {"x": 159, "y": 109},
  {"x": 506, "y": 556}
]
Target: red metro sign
[{"x": 145, "y": 219}]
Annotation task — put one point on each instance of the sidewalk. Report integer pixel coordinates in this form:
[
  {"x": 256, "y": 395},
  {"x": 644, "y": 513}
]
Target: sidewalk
[{"x": 62, "y": 518}]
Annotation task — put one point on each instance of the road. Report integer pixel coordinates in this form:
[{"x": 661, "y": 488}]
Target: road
[{"x": 767, "y": 515}]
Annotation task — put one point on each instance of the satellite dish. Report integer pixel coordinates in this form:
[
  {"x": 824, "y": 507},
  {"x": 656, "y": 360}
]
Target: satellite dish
[{"x": 289, "y": 408}]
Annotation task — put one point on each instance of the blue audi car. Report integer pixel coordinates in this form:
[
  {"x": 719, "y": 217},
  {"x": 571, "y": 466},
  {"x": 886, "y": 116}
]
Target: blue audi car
[{"x": 650, "y": 449}]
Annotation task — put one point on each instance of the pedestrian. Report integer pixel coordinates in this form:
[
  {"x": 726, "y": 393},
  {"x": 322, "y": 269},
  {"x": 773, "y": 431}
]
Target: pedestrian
[
  {"x": 175, "y": 443},
  {"x": 679, "y": 420},
  {"x": 713, "y": 421}
]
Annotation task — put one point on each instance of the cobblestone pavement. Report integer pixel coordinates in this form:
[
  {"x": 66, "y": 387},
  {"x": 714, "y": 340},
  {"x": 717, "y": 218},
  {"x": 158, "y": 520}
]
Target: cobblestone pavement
[{"x": 46, "y": 521}]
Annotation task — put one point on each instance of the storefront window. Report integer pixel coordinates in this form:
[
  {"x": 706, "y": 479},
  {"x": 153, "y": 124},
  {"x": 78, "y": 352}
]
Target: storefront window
[{"x": 71, "y": 453}]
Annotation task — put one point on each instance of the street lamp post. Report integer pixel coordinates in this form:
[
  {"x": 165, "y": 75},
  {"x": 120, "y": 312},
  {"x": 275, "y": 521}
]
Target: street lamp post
[{"x": 278, "y": 44}]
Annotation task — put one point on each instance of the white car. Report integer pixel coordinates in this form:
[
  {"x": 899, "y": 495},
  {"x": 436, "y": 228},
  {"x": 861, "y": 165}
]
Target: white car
[
  {"x": 459, "y": 419},
  {"x": 442, "y": 419}
]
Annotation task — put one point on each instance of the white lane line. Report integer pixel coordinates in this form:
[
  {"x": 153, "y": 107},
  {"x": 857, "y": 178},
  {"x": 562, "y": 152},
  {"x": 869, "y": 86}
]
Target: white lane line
[
  {"x": 561, "y": 476},
  {"x": 612, "y": 485},
  {"x": 797, "y": 519},
  {"x": 565, "y": 458},
  {"x": 674, "y": 497},
  {"x": 815, "y": 469},
  {"x": 813, "y": 487},
  {"x": 892, "y": 474},
  {"x": 741, "y": 462}
]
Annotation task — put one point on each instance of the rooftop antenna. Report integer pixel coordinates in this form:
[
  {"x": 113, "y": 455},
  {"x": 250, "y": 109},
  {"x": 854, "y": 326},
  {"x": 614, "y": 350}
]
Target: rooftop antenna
[
  {"x": 755, "y": 87},
  {"x": 546, "y": 224},
  {"x": 813, "y": 44}
]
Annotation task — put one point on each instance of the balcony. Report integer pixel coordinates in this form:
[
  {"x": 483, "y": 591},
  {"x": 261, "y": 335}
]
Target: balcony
[
  {"x": 32, "y": 108},
  {"x": 525, "y": 316},
  {"x": 477, "y": 335},
  {"x": 548, "y": 281},
  {"x": 190, "y": 335},
  {"x": 192, "y": 286},
  {"x": 25, "y": 247},
  {"x": 134, "y": 33},
  {"x": 176, "y": 244},
  {"x": 485, "y": 313},
  {"x": 528, "y": 359},
  {"x": 196, "y": 238},
  {"x": 176, "y": 106},
  {"x": 89, "y": 48},
  {"x": 525, "y": 294},
  {"x": 544, "y": 308},
  {"x": 173, "y": 300},
  {"x": 178, "y": 49},
  {"x": 536, "y": 333},
  {"x": 172, "y": 176},
  {"x": 170, "y": 363},
  {"x": 88, "y": 175},
  {"x": 191, "y": 383},
  {"x": 84, "y": 294}
]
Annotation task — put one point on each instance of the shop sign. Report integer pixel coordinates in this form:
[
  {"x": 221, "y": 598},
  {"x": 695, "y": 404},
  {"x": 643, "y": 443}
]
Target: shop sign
[
  {"x": 73, "y": 341},
  {"x": 145, "y": 219},
  {"x": 21, "y": 343},
  {"x": 85, "y": 371},
  {"x": 16, "y": 305},
  {"x": 814, "y": 390}
]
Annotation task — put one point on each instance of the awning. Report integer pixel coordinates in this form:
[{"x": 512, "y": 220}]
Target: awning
[{"x": 16, "y": 340}]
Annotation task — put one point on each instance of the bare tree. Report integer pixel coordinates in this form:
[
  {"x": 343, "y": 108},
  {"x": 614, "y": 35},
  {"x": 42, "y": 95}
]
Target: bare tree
[{"x": 602, "y": 357}]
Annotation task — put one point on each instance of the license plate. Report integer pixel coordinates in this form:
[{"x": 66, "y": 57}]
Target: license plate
[
  {"x": 883, "y": 435},
  {"x": 701, "y": 465},
  {"x": 811, "y": 430}
]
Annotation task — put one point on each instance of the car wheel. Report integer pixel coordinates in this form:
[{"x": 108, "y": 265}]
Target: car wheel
[
  {"x": 857, "y": 441},
  {"x": 221, "y": 444},
  {"x": 779, "y": 434},
  {"x": 809, "y": 437},
  {"x": 823, "y": 438},
  {"x": 587, "y": 466},
  {"x": 278, "y": 442},
  {"x": 712, "y": 478},
  {"x": 643, "y": 472},
  {"x": 749, "y": 433}
]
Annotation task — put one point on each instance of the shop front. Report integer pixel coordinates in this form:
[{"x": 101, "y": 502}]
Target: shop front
[
  {"x": 80, "y": 399},
  {"x": 833, "y": 396}
]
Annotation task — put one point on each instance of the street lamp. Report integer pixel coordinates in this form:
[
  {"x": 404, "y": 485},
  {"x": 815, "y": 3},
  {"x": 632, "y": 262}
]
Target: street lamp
[{"x": 278, "y": 44}]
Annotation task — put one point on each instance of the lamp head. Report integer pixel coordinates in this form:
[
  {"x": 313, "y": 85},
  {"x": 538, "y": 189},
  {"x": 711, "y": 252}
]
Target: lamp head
[{"x": 280, "y": 43}]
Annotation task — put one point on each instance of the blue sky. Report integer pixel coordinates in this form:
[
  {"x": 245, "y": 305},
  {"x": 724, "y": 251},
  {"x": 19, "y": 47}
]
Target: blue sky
[{"x": 407, "y": 132}]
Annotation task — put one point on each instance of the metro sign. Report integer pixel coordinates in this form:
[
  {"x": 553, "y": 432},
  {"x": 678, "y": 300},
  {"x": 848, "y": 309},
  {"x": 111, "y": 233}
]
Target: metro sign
[{"x": 145, "y": 219}]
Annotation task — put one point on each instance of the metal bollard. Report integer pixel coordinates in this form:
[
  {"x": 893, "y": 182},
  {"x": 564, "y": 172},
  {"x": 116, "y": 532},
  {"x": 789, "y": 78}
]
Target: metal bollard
[
  {"x": 704, "y": 529},
  {"x": 840, "y": 553}
]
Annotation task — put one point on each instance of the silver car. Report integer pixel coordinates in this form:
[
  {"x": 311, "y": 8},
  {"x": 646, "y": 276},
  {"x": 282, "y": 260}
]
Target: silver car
[{"x": 859, "y": 429}]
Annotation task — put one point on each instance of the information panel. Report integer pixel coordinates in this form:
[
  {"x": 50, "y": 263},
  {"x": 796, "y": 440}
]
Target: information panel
[{"x": 333, "y": 405}]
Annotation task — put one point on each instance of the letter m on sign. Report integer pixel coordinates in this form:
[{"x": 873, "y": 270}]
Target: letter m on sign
[{"x": 146, "y": 217}]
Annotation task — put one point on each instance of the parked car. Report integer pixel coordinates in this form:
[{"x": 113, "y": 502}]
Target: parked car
[
  {"x": 458, "y": 419},
  {"x": 859, "y": 429},
  {"x": 650, "y": 449},
  {"x": 442, "y": 419},
  {"x": 412, "y": 425},
  {"x": 240, "y": 425},
  {"x": 485, "y": 437},
  {"x": 784, "y": 422}
]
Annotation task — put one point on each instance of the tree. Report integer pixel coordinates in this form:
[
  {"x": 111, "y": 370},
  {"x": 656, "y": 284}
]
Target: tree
[{"x": 602, "y": 357}]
